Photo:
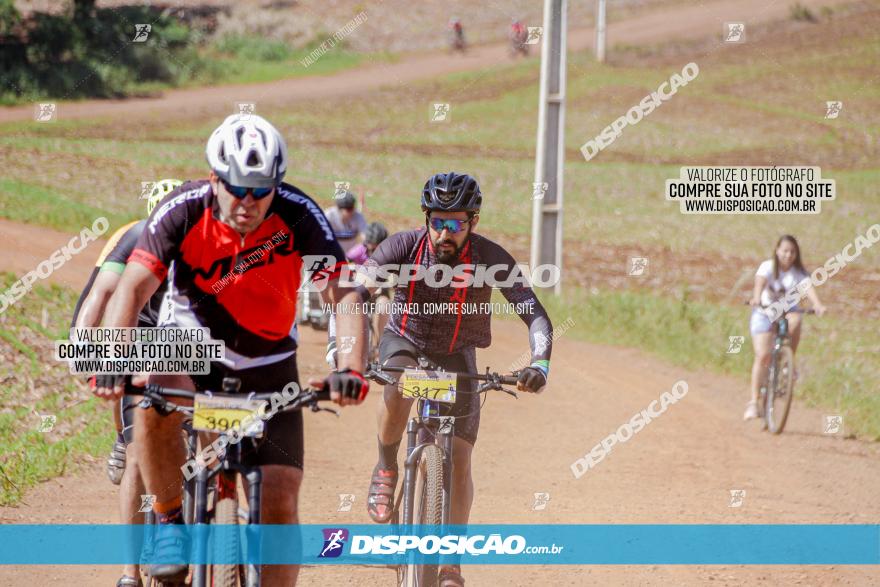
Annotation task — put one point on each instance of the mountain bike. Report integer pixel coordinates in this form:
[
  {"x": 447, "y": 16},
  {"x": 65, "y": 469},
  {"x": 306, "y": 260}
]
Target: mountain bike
[
  {"x": 211, "y": 496},
  {"x": 778, "y": 389},
  {"x": 426, "y": 493}
]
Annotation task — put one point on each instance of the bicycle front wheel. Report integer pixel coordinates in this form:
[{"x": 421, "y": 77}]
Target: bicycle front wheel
[
  {"x": 780, "y": 389},
  {"x": 225, "y": 545},
  {"x": 429, "y": 510}
]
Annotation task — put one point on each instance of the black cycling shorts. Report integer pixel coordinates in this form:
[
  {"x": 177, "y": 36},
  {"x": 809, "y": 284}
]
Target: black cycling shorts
[
  {"x": 282, "y": 441},
  {"x": 396, "y": 351}
]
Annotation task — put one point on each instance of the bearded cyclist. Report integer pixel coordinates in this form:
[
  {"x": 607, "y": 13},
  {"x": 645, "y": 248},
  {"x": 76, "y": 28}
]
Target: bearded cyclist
[
  {"x": 451, "y": 203},
  {"x": 242, "y": 216},
  {"x": 88, "y": 313}
]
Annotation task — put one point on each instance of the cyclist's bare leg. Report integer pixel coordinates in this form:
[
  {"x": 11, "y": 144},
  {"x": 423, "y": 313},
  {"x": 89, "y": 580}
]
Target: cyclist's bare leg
[
  {"x": 160, "y": 446},
  {"x": 117, "y": 416},
  {"x": 130, "y": 491},
  {"x": 462, "y": 481},
  {"x": 279, "y": 503},
  {"x": 394, "y": 409},
  {"x": 763, "y": 344},
  {"x": 794, "y": 329}
]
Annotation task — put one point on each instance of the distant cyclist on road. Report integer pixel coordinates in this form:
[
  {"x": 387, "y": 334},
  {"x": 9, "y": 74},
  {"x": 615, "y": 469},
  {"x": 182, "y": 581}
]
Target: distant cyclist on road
[
  {"x": 451, "y": 203},
  {"x": 225, "y": 279},
  {"x": 456, "y": 35},
  {"x": 348, "y": 224},
  {"x": 88, "y": 314},
  {"x": 773, "y": 280},
  {"x": 518, "y": 36}
]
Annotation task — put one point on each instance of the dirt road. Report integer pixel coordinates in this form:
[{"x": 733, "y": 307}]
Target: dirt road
[
  {"x": 680, "y": 469},
  {"x": 682, "y": 23}
]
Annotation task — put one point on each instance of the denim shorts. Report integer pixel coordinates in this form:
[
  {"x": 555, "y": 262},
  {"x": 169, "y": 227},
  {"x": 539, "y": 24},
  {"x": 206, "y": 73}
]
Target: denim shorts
[{"x": 759, "y": 323}]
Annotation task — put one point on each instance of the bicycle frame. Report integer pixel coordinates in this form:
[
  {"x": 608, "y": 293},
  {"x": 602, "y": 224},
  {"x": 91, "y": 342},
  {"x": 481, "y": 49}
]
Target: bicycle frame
[
  {"x": 225, "y": 470},
  {"x": 442, "y": 438},
  {"x": 770, "y": 391}
]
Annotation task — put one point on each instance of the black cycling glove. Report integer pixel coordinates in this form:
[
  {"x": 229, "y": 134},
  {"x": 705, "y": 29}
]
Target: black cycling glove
[
  {"x": 108, "y": 381},
  {"x": 532, "y": 379},
  {"x": 349, "y": 383}
]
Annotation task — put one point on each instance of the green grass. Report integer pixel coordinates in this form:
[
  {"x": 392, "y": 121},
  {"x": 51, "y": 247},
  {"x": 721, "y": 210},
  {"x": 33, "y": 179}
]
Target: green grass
[
  {"x": 241, "y": 60},
  {"x": 34, "y": 384},
  {"x": 36, "y": 204}
]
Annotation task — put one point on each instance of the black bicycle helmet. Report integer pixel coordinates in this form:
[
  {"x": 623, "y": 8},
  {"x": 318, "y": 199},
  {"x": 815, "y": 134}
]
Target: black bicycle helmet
[
  {"x": 452, "y": 192},
  {"x": 345, "y": 200},
  {"x": 376, "y": 233}
]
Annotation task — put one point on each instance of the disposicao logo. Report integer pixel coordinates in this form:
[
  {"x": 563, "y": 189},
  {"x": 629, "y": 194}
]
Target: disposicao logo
[{"x": 334, "y": 540}]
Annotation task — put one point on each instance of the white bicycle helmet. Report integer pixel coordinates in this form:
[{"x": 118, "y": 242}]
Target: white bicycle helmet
[
  {"x": 161, "y": 188},
  {"x": 247, "y": 152}
]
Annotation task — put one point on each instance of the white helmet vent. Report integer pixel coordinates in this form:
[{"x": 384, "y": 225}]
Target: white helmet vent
[{"x": 247, "y": 152}]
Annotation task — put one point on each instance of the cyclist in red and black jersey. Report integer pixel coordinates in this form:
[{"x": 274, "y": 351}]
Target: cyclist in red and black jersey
[
  {"x": 237, "y": 242},
  {"x": 451, "y": 203}
]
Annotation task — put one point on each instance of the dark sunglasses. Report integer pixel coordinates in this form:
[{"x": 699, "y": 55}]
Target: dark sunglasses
[
  {"x": 239, "y": 192},
  {"x": 450, "y": 224}
]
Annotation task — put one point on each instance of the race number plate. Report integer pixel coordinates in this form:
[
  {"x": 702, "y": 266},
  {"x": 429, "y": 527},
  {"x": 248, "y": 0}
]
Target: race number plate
[
  {"x": 438, "y": 386},
  {"x": 221, "y": 414}
]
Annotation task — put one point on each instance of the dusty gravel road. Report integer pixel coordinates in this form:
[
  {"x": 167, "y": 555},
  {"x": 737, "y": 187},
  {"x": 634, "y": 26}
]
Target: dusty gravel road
[{"x": 680, "y": 469}]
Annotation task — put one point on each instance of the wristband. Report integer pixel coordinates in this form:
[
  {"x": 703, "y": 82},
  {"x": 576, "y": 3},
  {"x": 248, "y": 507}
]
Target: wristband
[{"x": 542, "y": 365}]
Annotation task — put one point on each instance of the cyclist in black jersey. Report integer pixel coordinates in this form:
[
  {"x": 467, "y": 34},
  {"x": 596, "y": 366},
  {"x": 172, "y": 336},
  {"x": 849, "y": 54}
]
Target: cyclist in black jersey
[{"x": 451, "y": 203}]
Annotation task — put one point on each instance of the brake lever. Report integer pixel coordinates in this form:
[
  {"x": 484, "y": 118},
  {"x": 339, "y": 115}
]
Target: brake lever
[
  {"x": 380, "y": 377},
  {"x": 317, "y": 408}
]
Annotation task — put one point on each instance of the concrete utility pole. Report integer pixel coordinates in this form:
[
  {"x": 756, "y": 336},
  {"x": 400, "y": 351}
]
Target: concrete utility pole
[
  {"x": 550, "y": 154},
  {"x": 600, "y": 31}
]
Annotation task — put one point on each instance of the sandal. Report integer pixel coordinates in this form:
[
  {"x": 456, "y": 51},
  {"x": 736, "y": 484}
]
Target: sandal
[
  {"x": 380, "y": 497},
  {"x": 129, "y": 581},
  {"x": 450, "y": 576}
]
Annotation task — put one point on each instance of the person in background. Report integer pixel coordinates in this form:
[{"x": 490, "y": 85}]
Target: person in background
[
  {"x": 774, "y": 279},
  {"x": 348, "y": 224},
  {"x": 375, "y": 234}
]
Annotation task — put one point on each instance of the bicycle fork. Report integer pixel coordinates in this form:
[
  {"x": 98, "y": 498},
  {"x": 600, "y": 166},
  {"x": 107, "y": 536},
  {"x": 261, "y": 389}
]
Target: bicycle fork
[
  {"x": 413, "y": 457},
  {"x": 444, "y": 434},
  {"x": 409, "y": 470}
]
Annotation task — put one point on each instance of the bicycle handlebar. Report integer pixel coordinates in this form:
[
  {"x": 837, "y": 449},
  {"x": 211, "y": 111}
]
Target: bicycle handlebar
[
  {"x": 306, "y": 397},
  {"x": 792, "y": 311},
  {"x": 375, "y": 372},
  {"x": 487, "y": 376}
]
